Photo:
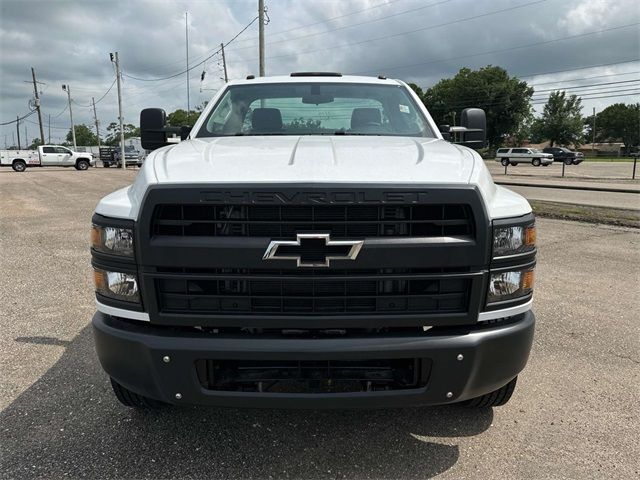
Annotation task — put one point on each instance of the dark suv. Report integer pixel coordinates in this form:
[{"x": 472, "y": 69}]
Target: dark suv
[{"x": 561, "y": 154}]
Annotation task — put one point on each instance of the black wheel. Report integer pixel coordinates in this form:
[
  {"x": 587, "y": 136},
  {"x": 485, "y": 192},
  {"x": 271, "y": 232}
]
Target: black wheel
[
  {"x": 133, "y": 400},
  {"x": 496, "y": 398},
  {"x": 568, "y": 161},
  {"x": 19, "y": 166},
  {"x": 513, "y": 164},
  {"x": 504, "y": 162},
  {"x": 536, "y": 162},
  {"x": 82, "y": 165},
  {"x": 106, "y": 164}
]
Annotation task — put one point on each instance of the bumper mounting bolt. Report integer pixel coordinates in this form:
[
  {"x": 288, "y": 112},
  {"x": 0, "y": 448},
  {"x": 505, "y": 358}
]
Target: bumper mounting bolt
[
  {"x": 449, "y": 394},
  {"x": 460, "y": 357},
  {"x": 178, "y": 396},
  {"x": 166, "y": 359}
]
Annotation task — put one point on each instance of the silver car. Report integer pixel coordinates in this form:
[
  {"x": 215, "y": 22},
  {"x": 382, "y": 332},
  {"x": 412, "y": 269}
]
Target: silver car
[{"x": 514, "y": 156}]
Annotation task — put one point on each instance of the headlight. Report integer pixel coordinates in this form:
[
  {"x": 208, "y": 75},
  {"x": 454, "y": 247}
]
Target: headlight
[
  {"x": 513, "y": 240},
  {"x": 113, "y": 240},
  {"x": 117, "y": 285},
  {"x": 510, "y": 285}
]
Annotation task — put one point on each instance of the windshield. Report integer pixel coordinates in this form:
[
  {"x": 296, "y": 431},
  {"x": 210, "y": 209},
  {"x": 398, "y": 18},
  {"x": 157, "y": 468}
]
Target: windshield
[{"x": 315, "y": 109}]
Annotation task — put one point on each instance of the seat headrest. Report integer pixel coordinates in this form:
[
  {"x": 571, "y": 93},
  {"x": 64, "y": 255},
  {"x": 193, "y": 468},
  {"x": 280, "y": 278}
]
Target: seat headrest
[
  {"x": 362, "y": 117},
  {"x": 266, "y": 120}
]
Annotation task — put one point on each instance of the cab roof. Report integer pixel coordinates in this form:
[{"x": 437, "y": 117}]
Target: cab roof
[{"x": 316, "y": 78}]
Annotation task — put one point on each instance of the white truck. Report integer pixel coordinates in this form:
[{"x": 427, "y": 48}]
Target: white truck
[
  {"x": 313, "y": 242},
  {"x": 45, "y": 156}
]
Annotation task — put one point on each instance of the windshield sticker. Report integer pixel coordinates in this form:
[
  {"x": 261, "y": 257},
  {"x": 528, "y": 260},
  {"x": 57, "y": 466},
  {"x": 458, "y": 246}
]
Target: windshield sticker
[{"x": 404, "y": 108}]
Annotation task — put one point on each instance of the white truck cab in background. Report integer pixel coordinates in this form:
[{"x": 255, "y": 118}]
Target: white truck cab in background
[{"x": 46, "y": 156}]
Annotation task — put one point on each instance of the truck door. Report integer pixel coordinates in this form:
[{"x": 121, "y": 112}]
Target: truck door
[
  {"x": 65, "y": 157},
  {"x": 49, "y": 156}
]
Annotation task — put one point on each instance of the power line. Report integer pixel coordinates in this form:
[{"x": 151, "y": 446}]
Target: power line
[
  {"x": 386, "y": 4},
  {"x": 502, "y": 50},
  {"x": 97, "y": 101},
  {"x": 583, "y": 78},
  {"x": 587, "y": 86},
  {"x": 288, "y": 40},
  {"x": 197, "y": 64},
  {"x": 384, "y": 37},
  {"x": 19, "y": 119}
]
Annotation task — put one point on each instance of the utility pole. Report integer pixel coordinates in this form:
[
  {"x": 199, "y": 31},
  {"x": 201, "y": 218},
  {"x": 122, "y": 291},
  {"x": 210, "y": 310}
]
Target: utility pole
[
  {"x": 35, "y": 90},
  {"x": 49, "y": 128},
  {"x": 224, "y": 63},
  {"x": 18, "y": 131},
  {"x": 261, "y": 34},
  {"x": 117, "y": 62},
  {"x": 186, "y": 34},
  {"x": 95, "y": 119},
  {"x": 67, "y": 88},
  {"x": 593, "y": 141}
]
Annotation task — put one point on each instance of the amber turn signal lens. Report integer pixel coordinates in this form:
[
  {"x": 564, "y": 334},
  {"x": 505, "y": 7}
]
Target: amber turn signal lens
[
  {"x": 99, "y": 280},
  {"x": 96, "y": 237},
  {"x": 527, "y": 280},
  {"x": 530, "y": 236}
]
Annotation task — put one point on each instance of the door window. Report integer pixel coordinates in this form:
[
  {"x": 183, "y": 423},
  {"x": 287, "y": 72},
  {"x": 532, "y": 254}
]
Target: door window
[{"x": 48, "y": 150}]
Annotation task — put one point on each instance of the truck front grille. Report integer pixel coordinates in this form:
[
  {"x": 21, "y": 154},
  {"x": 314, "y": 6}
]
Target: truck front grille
[
  {"x": 285, "y": 221},
  {"x": 288, "y": 292}
]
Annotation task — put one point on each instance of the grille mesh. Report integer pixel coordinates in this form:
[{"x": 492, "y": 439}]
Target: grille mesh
[
  {"x": 292, "y": 294},
  {"x": 346, "y": 221}
]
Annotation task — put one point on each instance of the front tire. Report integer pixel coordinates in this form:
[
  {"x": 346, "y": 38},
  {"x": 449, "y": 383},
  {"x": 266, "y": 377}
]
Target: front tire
[
  {"x": 82, "y": 165},
  {"x": 536, "y": 162},
  {"x": 132, "y": 400},
  {"x": 568, "y": 161},
  {"x": 496, "y": 398},
  {"x": 504, "y": 162},
  {"x": 19, "y": 166}
]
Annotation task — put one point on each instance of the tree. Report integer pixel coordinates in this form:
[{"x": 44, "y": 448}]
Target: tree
[
  {"x": 35, "y": 144},
  {"x": 84, "y": 136},
  {"x": 178, "y": 118},
  {"x": 561, "y": 120},
  {"x": 617, "y": 122},
  {"x": 505, "y": 100},
  {"x": 113, "y": 133}
]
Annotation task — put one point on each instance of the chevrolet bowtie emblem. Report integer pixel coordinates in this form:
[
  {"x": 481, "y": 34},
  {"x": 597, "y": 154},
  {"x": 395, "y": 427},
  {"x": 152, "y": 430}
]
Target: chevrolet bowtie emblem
[{"x": 313, "y": 249}]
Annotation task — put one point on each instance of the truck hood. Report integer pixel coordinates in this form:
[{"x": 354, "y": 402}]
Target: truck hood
[{"x": 313, "y": 159}]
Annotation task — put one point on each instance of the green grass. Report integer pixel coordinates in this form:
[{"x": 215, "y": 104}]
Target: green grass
[
  {"x": 609, "y": 159},
  {"x": 587, "y": 213}
]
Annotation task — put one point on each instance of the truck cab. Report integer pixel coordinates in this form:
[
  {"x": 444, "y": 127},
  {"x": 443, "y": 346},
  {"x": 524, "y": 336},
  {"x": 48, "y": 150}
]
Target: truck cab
[{"x": 313, "y": 242}]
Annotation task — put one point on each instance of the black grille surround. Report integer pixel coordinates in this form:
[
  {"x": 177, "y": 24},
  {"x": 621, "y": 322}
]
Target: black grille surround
[{"x": 424, "y": 260}]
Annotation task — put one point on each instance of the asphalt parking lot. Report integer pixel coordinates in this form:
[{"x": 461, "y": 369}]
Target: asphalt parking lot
[{"x": 573, "y": 415}]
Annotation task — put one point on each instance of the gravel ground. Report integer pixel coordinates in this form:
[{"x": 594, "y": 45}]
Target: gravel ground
[{"x": 573, "y": 415}]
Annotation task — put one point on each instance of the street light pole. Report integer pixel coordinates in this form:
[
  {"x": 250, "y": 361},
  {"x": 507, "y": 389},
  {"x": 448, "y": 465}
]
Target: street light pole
[{"x": 67, "y": 88}]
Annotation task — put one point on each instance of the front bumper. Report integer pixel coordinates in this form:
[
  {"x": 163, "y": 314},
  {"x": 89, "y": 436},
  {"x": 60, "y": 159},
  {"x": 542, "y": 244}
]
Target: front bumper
[{"x": 492, "y": 355}]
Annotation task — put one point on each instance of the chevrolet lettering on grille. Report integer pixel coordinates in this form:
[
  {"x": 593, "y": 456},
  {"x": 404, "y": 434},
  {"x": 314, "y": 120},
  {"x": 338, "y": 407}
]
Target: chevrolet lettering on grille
[{"x": 313, "y": 249}]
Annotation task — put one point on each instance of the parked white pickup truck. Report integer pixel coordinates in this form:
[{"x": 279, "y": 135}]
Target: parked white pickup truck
[{"x": 45, "y": 156}]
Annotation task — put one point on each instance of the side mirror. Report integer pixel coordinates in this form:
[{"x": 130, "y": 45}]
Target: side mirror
[
  {"x": 445, "y": 130},
  {"x": 474, "y": 120},
  {"x": 184, "y": 132},
  {"x": 154, "y": 132}
]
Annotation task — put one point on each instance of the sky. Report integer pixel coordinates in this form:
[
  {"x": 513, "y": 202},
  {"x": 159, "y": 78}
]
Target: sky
[{"x": 588, "y": 47}]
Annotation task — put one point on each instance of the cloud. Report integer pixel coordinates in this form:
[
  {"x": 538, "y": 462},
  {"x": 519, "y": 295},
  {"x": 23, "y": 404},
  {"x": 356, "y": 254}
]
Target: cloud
[{"x": 421, "y": 41}]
